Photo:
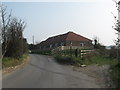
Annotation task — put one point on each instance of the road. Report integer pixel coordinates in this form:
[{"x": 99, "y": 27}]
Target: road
[{"x": 43, "y": 72}]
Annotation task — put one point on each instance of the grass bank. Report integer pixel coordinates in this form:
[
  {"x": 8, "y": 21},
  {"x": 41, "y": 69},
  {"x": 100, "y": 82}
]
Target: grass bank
[
  {"x": 10, "y": 62},
  {"x": 94, "y": 60},
  {"x": 100, "y": 60}
]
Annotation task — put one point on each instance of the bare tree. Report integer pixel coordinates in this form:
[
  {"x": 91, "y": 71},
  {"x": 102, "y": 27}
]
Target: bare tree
[
  {"x": 5, "y": 21},
  {"x": 117, "y": 23},
  {"x": 117, "y": 28}
]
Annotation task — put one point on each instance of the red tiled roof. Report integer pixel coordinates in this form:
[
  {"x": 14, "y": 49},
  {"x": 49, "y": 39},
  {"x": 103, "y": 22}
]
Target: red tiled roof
[
  {"x": 55, "y": 39},
  {"x": 70, "y": 36},
  {"x": 75, "y": 37}
]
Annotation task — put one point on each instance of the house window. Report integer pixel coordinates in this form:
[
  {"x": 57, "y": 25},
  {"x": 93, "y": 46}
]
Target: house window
[
  {"x": 50, "y": 45},
  {"x": 56, "y": 44},
  {"x": 62, "y": 44},
  {"x": 81, "y": 44}
]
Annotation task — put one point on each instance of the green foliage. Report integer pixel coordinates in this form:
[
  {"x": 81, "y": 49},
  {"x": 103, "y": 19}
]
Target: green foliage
[
  {"x": 32, "y": 47},
  {"x": 115, "y": 75},
  {"x": 42, "y": 52},
  {"x": 68, "y": 60},
  {"x": 114, "y": 53},
  {"x": 64, "y": 59},
  {"x": 94, "y": 60},
  {"x": 7, "y": 62},
  {"x": 100, "y": 60},
  {"x": 67, "y": 52},
  {"x": 16, "y": 45}
]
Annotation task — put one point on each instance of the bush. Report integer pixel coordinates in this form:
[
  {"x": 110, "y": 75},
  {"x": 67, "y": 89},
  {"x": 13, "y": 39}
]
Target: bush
[
  {"x": 68, "y": 60},
  {"x": 115, "y": 75},
  {"x": 114, "y": 53},
  {"x": 42, "y": 52},
  {"x": 64, "y": 59}
]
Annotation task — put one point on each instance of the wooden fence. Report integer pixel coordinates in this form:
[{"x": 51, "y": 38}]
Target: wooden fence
[
  {"x": 77, "y": 52},
  {"x": 84, "y": 52}
]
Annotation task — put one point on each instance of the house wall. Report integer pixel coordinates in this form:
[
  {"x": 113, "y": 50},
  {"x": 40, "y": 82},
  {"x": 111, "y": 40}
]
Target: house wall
[
  {"x": 78, "y": 43},
  {"x": 50, "y": 46},
  {"x": 67, "y": 44}
]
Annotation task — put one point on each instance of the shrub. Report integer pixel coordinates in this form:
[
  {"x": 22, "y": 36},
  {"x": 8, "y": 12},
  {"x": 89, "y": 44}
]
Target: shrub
[
  {"x": 68, "y": 60},
  {"x": 64, "y": 59},
  {"x": 115, "y": 75}
]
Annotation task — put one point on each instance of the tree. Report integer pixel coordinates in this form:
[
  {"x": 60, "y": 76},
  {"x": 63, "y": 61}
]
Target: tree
[
  {"x": 17, "y": 44},
  {"x": 4, "y": 24},
  {"x": 13, "y": 43},
  {"x": 117, "y": 28}
]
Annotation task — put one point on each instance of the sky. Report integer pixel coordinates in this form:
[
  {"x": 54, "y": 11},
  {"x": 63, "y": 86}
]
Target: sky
[{"x": 89, "y": 18}]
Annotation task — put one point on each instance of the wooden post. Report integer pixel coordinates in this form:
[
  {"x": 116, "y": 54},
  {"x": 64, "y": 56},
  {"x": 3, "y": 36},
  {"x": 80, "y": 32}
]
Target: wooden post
[{"x": 70, "y": 48}]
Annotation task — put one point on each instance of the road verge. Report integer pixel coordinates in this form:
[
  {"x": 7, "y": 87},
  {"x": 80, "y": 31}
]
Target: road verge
[{"x": 9, "y": 69}]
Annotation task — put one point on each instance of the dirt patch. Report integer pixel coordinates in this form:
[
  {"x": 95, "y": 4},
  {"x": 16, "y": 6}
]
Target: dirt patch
[
  {"x": 13, "y": 68},
  {"x": 100, "y": 73}
]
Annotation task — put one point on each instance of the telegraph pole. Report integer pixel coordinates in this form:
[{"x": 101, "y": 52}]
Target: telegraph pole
[
  {"x": 71, "y": 48},
  {"x": 33, "y": 40}
]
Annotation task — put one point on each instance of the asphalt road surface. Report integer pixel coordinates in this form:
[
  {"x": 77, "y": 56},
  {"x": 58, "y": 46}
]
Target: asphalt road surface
[{"x": 43, "y": 72}]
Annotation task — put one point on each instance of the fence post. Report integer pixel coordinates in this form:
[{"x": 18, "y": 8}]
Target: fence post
[
  {"x": 76, "y": 52},
  {"x": 71, "y": 49},
  {"x": 81, "y": 54}
]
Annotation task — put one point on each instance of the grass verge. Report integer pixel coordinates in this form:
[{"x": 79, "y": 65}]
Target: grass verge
[
  {"x": 10, "y": 62},
  {"x": 100, "y": 60},
  {"x": 77, "y": 60}
]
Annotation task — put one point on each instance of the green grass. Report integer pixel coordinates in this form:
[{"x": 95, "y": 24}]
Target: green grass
[
  {"x": 95, "y": 60},
  {"x": 9, "y": 62},
  {"x": 100, "y": 60}
]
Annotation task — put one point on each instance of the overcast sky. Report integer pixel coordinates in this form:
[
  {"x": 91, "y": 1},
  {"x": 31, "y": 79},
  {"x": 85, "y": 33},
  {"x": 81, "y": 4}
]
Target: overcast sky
[{"x": 46, "y": 19}]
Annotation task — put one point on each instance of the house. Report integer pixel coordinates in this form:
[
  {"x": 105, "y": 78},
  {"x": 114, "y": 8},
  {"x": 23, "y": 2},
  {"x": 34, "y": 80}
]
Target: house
[{"x": 65, "y": 41}]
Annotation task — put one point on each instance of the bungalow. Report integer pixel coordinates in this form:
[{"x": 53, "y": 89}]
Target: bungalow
[{"x": 65, "y": 41}]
